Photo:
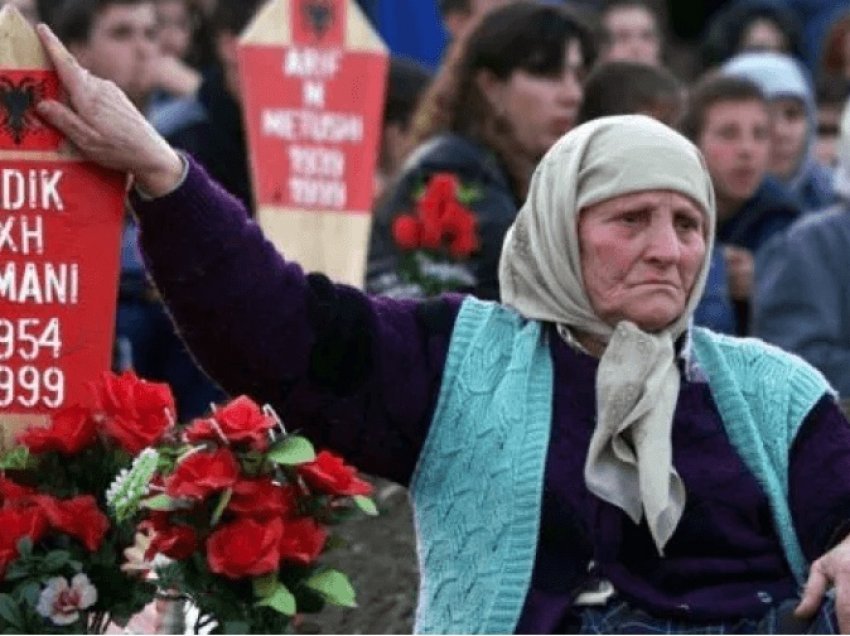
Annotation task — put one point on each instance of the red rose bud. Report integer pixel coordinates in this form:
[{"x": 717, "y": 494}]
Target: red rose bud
[
  {"x": 245, "y": 547},
  {"x": 443, "y": 186},
  {"x": 71, "y": 430},
  {"x": 303, "y": 541},
  {"x": 407, "y": 232},
  {"x": 330, "y": 475},
  {"x": 262, "y": 498},
  {"x": 79, "y": 518},
  {"x": 203, "y": 473}
]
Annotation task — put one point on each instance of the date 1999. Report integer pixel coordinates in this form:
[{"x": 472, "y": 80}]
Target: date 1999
[{"x": 30, "y": 387}]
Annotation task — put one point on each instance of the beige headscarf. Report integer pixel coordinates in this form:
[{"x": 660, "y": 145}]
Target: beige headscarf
[{"x": 629, "y": 462}]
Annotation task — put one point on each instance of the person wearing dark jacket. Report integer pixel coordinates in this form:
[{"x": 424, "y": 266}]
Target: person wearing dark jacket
[
  {"x": 507, "y": 92},
  {"x": 728, "y": 119}
]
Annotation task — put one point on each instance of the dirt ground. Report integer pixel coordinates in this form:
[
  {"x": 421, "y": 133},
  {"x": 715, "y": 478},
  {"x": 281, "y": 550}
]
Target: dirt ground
[{"x": 380, "y": 560}]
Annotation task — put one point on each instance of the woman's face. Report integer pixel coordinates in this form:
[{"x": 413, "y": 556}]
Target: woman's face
[
  {"x": 541, "y": 108},
  {"x": 175, "y": 27},
  {"x": 789, "y": 129},
  {"x": 641, "y": 254}
]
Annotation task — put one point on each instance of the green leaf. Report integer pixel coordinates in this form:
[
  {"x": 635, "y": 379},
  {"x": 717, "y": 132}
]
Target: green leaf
[
  {"x": 220, "y": 506},
  {"x": 366, "y": 505},
  {"x": 161, "y": 502},
  {"x": 9, "y": 611},
  {"x": 280, "y": 600},
  {"x": 334, "y": 587},
  {"x": 55, "y": 560},
  {"x": 265, "y": 585},
  {"x": 292, "y": 451},
  {"x": 25, "y": 547},
  {"x": 15, "y": 459}
]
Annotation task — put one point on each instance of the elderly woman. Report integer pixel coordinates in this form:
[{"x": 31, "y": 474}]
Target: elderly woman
[{"x": 578, "y": 458}]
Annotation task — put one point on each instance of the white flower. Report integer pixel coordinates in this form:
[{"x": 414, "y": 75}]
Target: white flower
[{"x": 61, "y": 603}]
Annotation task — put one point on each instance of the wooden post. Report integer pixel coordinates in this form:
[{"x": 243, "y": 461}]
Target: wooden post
[
  {"x": 313, "y": 76},
  {"x": 60, "y": 224}
]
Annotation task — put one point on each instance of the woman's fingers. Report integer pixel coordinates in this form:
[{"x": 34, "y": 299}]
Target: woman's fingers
[
  {"x": 71, "y": 74},
  {"x": 813, "y": 593},
  {"x": 66, "y": 120}
]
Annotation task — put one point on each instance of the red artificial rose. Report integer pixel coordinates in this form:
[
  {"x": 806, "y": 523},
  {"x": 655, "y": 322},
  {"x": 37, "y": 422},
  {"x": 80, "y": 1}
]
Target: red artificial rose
[
  {"x": 15, "y": 525},
  {"x": 79, "y": 518},
  {"x": 137, "y": 413},
  {"x": 303, "y": 540},
  {"x": 459, "y": 229},
  {"x": 242, "y": 420},
  {"x": 442, "y": 188},
  {"x": 71, "y": 430},
  {"x": 407, "y": 232},
  {"x": 177, "y": 542},
  {"x": 329, "y": 474},
  {"x": 262, "y": 498},
  {"x": 203, "y": 473},
  {"x": 245, "y": 547}
]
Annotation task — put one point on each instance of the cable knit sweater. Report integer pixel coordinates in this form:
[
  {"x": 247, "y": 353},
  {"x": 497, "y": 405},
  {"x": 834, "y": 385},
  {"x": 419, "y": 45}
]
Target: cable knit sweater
[{"x": 361, "y": 375}]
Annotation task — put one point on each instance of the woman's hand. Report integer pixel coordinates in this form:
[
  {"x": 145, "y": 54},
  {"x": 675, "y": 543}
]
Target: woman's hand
[
  {"x": 105, "y": 126},
  {"x": 833, "y": 568}
]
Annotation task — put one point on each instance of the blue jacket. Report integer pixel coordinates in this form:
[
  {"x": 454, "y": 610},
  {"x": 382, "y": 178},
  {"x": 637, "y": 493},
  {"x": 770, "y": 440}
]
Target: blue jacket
[{"x": 802, "y": 295}]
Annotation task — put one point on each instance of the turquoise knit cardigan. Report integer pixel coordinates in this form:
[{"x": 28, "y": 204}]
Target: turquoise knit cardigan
[{"x": 477, "y": 487}]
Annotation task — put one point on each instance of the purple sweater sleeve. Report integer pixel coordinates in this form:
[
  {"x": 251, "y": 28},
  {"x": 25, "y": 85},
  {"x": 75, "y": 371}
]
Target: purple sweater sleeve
[
  {"x": 819, "y": 479},
  {"x": 357, "y": 374}
]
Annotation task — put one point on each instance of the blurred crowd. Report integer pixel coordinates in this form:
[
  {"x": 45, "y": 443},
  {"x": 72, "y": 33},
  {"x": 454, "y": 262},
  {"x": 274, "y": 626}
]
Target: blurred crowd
[{"x": 759, "y": 86}]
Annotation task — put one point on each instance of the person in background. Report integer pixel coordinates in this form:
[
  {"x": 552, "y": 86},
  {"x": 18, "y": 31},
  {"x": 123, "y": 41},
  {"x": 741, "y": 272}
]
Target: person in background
[
  {"x": 793, "y": 124},
  {"x": 209, "y": 124},
  {"x": 631, "y": 31},
  {"x": 28, "y": 9},
  {"x": 118, "y": 39},
  {"x": 115, "y": 40},
  {"x": 579, "y": 435},
  {"x": 729, "y": 121},
  {"x": 624, "y": 87},
  {"x": 459, "y": 15},
  {"x": 835, "y": 56},
  {"x": 406, "y": 83},
  {"x": 832, "y": 94},
  {"x": 802, "y": 296},
  {"x": 620, "y": 88},
  {"x": 505, "y": 95},
  {"x": 750, "y": 25}
]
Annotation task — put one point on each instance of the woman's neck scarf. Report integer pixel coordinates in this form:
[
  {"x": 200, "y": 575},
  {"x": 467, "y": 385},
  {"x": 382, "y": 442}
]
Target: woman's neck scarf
[{"x": 629, "y": 462}]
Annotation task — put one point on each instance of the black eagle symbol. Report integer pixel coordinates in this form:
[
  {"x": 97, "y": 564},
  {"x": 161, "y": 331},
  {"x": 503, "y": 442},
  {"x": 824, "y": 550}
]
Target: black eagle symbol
[
  {"x": 320, "y": 16},
  {"x": 17, "y": 101}
]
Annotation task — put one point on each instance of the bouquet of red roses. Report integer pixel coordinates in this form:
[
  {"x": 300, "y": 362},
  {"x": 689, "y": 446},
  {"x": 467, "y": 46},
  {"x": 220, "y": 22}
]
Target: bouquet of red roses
[
  {"x": 234, "y": 514},
  {"x": 437, "y": 237},
  {"x": 59, "y": 552}
]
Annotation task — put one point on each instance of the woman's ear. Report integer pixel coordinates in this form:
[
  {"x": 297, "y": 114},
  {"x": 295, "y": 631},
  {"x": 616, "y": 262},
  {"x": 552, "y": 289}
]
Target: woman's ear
[{"x": 492, "y": 88}]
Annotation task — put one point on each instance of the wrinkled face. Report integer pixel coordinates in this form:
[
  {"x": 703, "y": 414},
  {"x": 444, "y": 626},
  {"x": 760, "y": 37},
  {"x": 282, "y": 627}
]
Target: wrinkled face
[
  {"x": 763, "y": 35},
  {"x": 174, "y": 25},
  {"x": 641, "y": 255},
  {"x": 788, "y": 130},
  {"x": 633, "y": 35},
  {"x": 541, "y": 108},
  {"x": 735, "y": 142},
  {"x": 121, "y": 47}
]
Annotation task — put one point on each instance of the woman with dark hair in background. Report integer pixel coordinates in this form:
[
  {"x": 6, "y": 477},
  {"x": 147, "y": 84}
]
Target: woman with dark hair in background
[
  {"x": 506, "y": 93},
  {"x": 750, "y": 25}
]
